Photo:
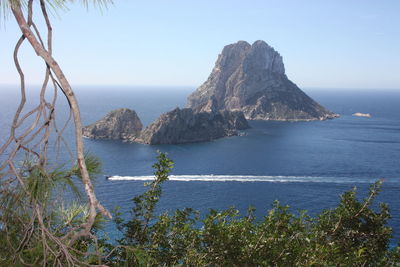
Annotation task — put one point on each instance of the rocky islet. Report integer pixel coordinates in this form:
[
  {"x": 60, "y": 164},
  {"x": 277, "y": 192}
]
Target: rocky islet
[
  {"x": 123, "y": 124},
  {"x": 174, "y": 127}
]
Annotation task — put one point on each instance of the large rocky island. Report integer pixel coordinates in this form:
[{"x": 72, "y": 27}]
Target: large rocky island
[
  {"x": 248, "y": 81},
  {"x": 252, "y": 79}
]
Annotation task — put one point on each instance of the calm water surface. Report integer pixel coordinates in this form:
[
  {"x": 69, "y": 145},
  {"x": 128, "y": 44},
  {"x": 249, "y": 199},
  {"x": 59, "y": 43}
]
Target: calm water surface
[{"x": 306, "y": 165}]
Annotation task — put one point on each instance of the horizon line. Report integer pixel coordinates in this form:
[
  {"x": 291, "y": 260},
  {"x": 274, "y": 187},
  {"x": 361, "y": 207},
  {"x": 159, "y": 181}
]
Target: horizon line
[{"x": 196, "y": 86}]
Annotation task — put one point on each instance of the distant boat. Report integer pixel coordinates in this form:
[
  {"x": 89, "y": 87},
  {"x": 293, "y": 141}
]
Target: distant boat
[{"x": 359, "y": 114}]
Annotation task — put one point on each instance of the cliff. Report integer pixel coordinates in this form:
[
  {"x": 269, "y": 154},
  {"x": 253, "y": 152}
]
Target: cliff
[{"x": 252, "y": 79}]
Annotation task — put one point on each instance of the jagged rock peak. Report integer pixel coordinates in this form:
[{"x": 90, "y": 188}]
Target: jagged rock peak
[
  {"x": 186, "y": 126},
  {"x": 121, "y": 124},
  {"x": 252, "y": 79},
  {"x": 267, "y": 58},
  {"x": 260, "y": 52}
]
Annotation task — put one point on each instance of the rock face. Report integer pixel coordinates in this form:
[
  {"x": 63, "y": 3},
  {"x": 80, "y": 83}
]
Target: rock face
[
  {"x": 186, "y": 126},
  {"x": 252, "y": 79},
  {"x": 118, "y": 124}
]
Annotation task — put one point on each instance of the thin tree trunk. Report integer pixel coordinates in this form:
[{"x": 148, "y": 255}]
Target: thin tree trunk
[{"x": 67, "y": 90}]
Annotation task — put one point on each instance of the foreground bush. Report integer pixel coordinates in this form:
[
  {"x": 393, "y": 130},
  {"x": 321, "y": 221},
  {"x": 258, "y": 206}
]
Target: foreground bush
[{"x": 352, "y": 234}]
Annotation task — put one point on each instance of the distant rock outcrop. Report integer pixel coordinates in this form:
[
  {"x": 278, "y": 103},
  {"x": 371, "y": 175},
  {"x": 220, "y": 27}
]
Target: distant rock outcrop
[
  {"x": 252, "y": 79},
  {"x": 359, "y": 114},
  {"x": 121, "y": 124},
  {"x": 185, "y": 126}
]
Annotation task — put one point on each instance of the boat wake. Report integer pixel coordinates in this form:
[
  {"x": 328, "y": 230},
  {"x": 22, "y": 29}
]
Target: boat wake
[{"x": 247, "y": 178}]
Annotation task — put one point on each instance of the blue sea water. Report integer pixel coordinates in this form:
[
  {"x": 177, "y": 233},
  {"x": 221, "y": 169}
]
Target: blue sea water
[{"x": 305, "y": 165}]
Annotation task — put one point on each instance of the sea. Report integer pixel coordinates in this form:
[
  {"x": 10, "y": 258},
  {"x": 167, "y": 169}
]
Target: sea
[{"x": 305, "y": 165}]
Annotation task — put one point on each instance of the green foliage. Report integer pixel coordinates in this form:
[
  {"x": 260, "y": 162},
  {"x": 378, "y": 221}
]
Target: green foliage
[
  {"x": 33, "y": 216},
  {"x": 139, "y": 231},
  {"x": 354, "y": 230},
  {"x": 355, "y": 233},
  {"x": 352, "y": 234},
  {"x": 93, "y": 165}
]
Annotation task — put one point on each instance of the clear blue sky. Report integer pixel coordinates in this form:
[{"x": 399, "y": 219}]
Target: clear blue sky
[{"x": 324, "y": 44}]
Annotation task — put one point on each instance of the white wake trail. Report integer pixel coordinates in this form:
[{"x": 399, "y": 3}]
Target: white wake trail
[{"x": 246, "y": 178}]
